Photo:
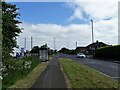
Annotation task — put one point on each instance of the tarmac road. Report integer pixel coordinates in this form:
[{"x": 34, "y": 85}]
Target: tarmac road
[
  {"x": 110, "y": 69},
  {"x": 51, "y": 77}
]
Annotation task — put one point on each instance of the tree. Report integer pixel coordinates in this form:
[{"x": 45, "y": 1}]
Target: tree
[
  {"x": 64, "y": 50},
  {"x": 0, "y": 30},
  {"x": 10, "y": 28},
  {"x": 67, "y": 51},
  {"x": 35, "y": 49}
]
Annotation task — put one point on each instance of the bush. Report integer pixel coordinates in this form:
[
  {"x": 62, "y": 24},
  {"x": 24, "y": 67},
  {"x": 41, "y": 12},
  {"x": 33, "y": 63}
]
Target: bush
[
  {"x": 16, "y": 69},
  {"x": 109, "y": 52},
  {"x": 67, "y": 51}
]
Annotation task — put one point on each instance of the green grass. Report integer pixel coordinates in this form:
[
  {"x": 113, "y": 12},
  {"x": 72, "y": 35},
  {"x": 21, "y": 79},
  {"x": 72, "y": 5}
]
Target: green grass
[
  {"x": 19, "y": 70},
  {"x": 81, "y": 76},
  {"x": 50, "y": 58},
  {"x": 0, "y": 84},
  {"x": 29, "y": 80}
]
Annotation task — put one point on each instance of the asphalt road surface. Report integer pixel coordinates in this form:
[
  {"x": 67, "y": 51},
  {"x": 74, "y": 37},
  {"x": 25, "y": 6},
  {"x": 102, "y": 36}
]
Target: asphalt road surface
[
  {"x": 51, "y": 77},
  {"x": 110, "y": 69}
]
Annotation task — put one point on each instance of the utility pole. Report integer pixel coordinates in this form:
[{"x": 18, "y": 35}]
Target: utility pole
[
  {"x": 54, "y": 44},
  {"x": 76, "y": 44},
  {"x": 31, "y": 42},
  {"x": 92, "y": 31}
]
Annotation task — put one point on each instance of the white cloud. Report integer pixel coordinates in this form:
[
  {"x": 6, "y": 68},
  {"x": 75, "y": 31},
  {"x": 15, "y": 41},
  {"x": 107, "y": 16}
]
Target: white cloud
[
  {"x": 97, "y": 10},
  {"x": 44, "y": 33},
  {"x": 107, "y": 30},
  {"x": 104, "y": 30},
  {"x": 77, "y": 14},
  {"x": 58, "y": 0},
  {"x": 67, "y": 35}
]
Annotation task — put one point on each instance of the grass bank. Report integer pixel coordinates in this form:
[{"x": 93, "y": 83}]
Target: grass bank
[
  {"x": 30, "y": 78},
  {"x": 81, "y": 76},
  {"x": 15, "y": 69}
]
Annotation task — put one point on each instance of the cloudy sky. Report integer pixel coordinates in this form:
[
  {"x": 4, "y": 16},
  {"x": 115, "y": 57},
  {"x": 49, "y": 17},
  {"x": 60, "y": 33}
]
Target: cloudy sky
[{"x": 68, "y": 22}]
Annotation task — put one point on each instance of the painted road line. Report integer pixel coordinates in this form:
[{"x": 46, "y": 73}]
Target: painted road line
[
  {"x": 114, "y": 66},
  {"x": 97, "y": 70},
  {"x": 92, "y": 62},
  {"x": 116, "y": 77},
  {"x": 105, "y": 74},
  {"x": 108, "y": 75}
]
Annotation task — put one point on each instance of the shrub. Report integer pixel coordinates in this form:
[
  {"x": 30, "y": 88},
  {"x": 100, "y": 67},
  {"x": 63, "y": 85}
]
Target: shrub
[
  {"x": 17, "y": 68},
  {"x": 108, "y": 52}
]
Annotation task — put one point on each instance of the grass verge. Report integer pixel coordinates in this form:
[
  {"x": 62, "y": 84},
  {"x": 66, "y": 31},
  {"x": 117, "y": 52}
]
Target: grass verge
[
  {"x": 81, "y": 76},
  {"x": 15, "y": 69},
  {"x": 28, "y": 81},
  {"x": 66, "y": 78},
  {"x": 50, "y": 57}
]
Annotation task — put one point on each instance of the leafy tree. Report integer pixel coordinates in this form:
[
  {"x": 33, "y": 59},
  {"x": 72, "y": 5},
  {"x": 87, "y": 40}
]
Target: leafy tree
[
  {"x": 10, "y": 28},
  {"x": 67, "y": 51},
  {"x": 35, "y": 49},
  {"x": 0, "y": 31},
  {"x": 44, "y": 46},
  {"x": 64, "y": 50}
]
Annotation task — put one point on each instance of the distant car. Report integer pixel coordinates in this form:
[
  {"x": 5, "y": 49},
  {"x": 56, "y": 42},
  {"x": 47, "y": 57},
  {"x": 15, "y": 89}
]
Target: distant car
[{"x": 80, "y": 55}]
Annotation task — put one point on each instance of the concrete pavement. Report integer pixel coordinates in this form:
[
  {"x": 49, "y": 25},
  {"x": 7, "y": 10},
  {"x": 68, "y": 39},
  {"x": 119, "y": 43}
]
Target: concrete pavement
[{"x": 51, "y": 77}]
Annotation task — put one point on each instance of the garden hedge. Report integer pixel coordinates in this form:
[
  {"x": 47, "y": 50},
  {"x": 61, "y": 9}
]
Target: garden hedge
[{"x": 108, "y": 52}]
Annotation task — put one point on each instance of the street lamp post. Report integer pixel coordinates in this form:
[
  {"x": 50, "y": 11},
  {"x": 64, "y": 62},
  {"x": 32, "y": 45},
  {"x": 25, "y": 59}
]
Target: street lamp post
[
  {"x": 92, "y": 31},
  {"x": 76, "y": 44}
]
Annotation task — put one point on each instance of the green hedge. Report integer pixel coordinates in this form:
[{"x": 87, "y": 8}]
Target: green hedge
[
  {"x": 17, "y": 68},
  {"x": 109, "y": 52},
  {"x": 67, "y": 51}
]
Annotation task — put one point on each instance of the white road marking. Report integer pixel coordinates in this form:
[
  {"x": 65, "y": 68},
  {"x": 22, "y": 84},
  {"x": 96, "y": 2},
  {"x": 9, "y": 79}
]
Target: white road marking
[
  {"x": 115, "y": 77},
  {"x": 92, "y": 62},
  {"x": 108, "y": 75},
  {"x": 114, "y": 66},
  {"x": 104, "y": 74},
  {"x": 100, "y": 71}
]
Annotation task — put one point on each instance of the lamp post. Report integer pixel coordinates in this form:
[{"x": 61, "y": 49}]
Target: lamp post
[
  {"x": 76, "y": 44},
  {"x": 92, "y": 31}
]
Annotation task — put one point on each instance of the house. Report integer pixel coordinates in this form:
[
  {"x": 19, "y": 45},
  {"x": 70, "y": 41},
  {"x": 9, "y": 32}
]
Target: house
[
  {"x": 93, "y": 46},
  {"x": 90, "y": 49},
  {"x": 81, "y": 49}
]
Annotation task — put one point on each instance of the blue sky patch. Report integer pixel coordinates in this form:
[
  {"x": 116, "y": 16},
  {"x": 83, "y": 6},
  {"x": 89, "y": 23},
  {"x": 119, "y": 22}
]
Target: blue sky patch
[{"x": 47, "y": 12}]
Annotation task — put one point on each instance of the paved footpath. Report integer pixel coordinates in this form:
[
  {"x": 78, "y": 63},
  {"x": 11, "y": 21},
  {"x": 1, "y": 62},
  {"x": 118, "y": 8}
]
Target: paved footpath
[{"x": 51, "y": 77}]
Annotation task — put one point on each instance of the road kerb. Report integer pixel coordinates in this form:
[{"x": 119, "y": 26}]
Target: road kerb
[{"x": 66, "y": 78}]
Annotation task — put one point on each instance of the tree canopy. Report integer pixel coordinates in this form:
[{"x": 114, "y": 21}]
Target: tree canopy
[
  {"x": 67, "y": 51},
  {"x": 35, "y": 49},
  {"x": 10, "y": 28}
]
